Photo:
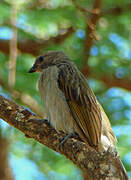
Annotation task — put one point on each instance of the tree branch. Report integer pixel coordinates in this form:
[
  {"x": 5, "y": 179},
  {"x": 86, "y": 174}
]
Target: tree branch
[
  {"x": 24, "y": 98},
  {"x": 118, "y": 10},
  {"x": 34, "y": 47},
  {"x": 98, "y": 165},
  {"x": 5, "y": 170},
  {"x": 91, "y": 29},
  {"x": 13, "y": 47},
  {"x": 107, "y": 80},
  {"x": 115, "y": 82}
]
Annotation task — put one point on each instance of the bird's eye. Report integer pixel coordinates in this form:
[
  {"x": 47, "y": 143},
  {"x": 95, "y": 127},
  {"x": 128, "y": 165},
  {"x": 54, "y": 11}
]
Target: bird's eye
[{"x": 40, "y": 58}]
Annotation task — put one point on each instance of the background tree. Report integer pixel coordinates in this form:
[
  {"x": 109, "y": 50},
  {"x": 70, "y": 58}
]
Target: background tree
[{"x": 96, "y": 36}]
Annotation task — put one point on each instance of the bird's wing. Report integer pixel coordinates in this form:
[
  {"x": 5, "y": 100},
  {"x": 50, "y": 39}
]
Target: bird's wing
[{"x": 82, "y": 104}]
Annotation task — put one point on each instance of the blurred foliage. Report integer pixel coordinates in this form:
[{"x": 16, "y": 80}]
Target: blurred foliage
[{"x": 41, "y": 20}]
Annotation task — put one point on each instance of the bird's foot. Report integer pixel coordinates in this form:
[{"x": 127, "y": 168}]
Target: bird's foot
[{"x": 65, "y": 138}]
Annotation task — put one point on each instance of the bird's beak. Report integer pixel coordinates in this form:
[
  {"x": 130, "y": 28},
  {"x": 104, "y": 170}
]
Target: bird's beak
[{"x": 33, "y": 69}]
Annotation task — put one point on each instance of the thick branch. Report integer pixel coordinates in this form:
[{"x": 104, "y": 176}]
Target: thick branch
[
  {"x": 98, "y": 165},
  {"x": 34, "y": 47}
]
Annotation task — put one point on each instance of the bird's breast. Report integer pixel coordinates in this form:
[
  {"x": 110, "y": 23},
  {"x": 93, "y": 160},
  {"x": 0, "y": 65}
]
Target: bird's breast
[{"x": 55, "y": 104}]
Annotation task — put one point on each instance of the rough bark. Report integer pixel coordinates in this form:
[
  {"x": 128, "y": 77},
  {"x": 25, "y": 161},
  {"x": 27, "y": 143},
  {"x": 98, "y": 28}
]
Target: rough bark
[{"x": 98, "y": 165}]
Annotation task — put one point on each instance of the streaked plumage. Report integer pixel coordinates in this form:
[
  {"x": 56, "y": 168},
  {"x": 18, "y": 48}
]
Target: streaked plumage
[{"x": 69, "y": 102}]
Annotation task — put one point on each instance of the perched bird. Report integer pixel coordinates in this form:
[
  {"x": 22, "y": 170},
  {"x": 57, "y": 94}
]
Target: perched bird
[{"x": 70, "y": 104}]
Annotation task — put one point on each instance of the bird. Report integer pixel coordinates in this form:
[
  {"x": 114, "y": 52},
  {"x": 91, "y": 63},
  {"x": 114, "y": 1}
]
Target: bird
[{"x": 69, "y": 102}]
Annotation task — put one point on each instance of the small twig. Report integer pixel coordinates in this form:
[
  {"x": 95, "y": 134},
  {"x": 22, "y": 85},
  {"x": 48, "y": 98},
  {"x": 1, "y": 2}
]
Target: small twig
[
  {"x": 24, "y": 98},
  {"x": 91, "y": 34},
  {"x": 13, "y": 47},
  {"x": 81, "y": 9},
  {"x": 5, "y": 170}
]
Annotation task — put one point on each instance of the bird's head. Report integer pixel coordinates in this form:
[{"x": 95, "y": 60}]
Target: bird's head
[{"x": 50, "y": 58}]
